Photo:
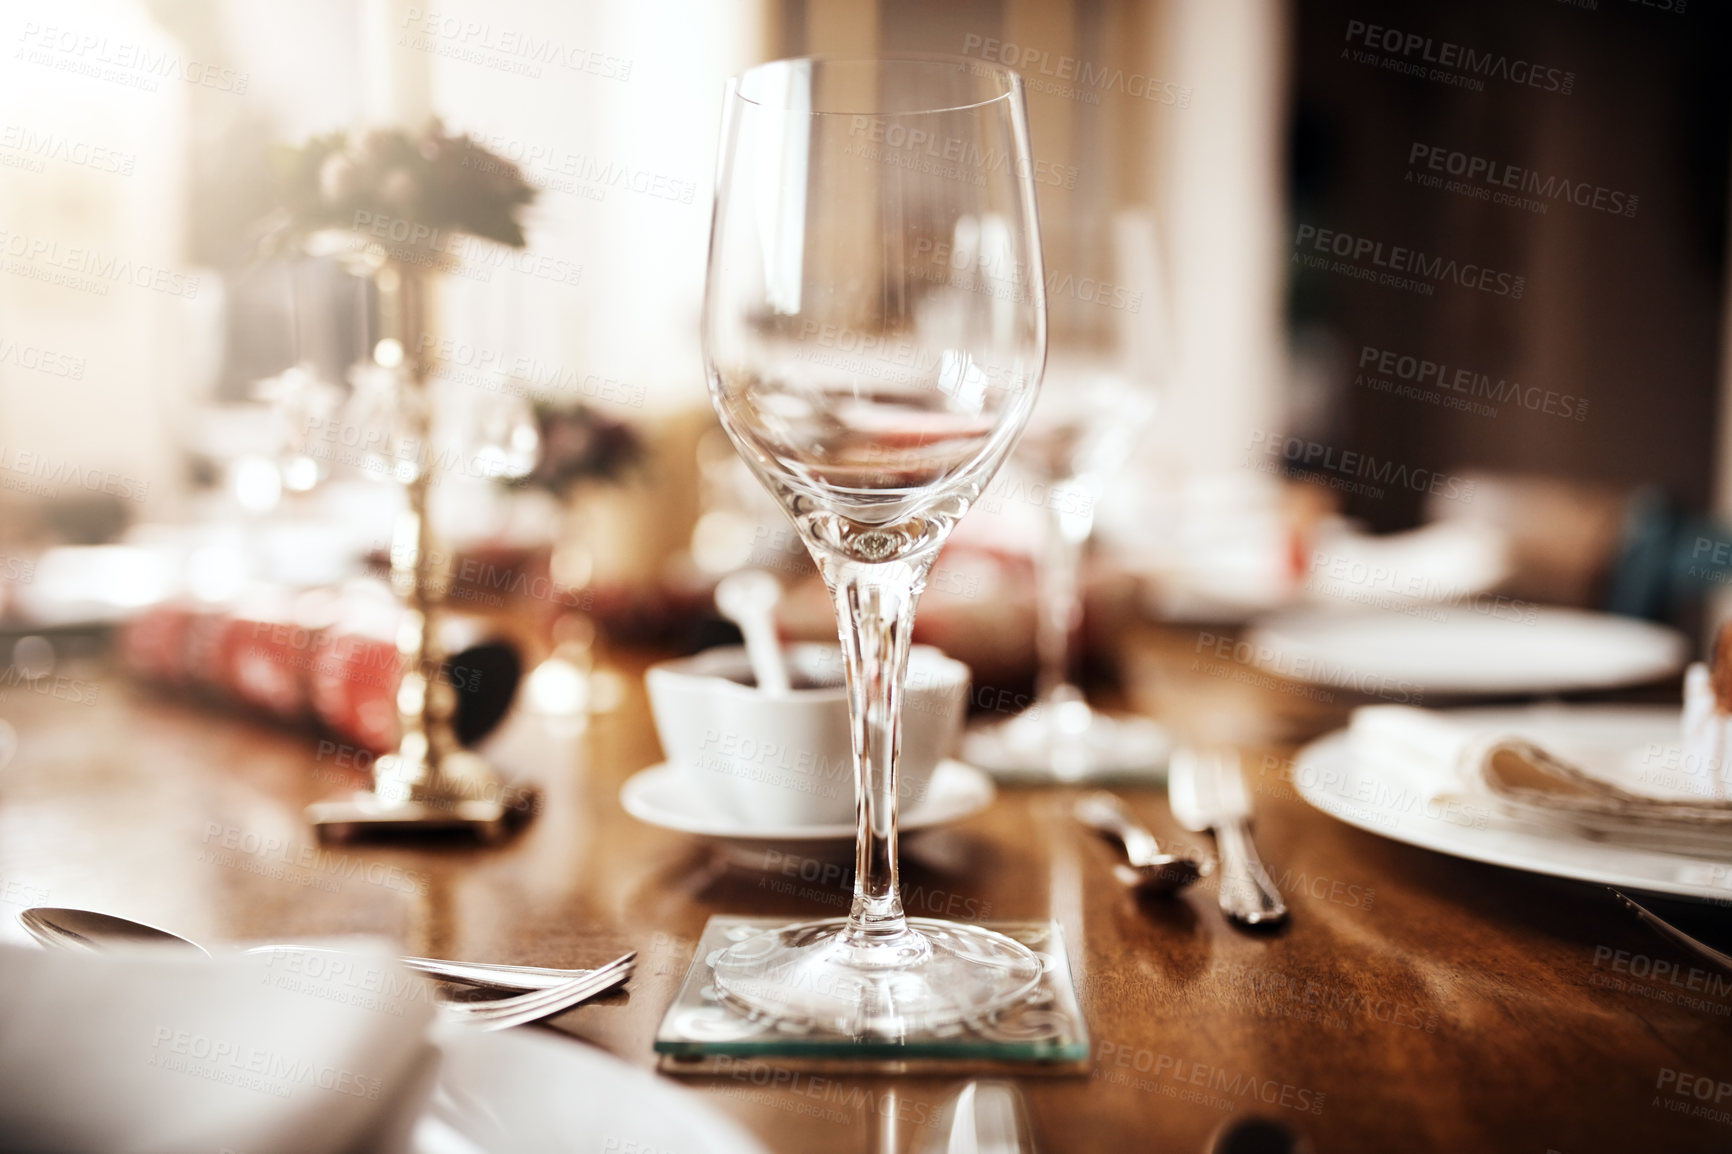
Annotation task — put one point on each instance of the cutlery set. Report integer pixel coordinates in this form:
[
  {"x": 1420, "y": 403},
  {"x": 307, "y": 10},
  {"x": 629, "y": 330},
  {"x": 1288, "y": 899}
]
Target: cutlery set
[
  {"x": 1207, "y": 794},
  {"x": 1205, "y": 790},
  {"x": 528, "y": 993}
]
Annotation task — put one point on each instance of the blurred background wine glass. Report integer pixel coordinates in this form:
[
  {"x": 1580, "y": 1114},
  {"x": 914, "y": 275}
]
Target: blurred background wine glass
[{"x": 1104, "y": 372}]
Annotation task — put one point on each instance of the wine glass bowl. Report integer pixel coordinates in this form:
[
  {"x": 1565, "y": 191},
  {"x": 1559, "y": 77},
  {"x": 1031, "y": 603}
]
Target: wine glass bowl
[
  {"x": 872, "y": 321},
  {"x": 874, "y": 333}
]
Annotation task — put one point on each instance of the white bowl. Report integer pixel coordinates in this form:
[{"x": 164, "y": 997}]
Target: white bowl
[{"x": 780, "y": 761}]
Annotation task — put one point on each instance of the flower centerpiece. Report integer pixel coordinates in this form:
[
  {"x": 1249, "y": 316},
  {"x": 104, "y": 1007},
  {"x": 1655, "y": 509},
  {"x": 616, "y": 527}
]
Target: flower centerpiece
[
  {"x": 578, "y": 443},
  {"x": 432, "y": 182}
]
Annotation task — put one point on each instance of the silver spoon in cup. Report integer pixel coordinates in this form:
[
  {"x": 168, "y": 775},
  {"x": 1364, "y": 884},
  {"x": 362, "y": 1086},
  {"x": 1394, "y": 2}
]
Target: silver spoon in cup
[{"x": 748, "y": 599}]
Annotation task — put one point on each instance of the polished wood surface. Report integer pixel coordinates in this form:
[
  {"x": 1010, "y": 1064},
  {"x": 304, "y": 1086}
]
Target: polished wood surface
[{"x": 1415, "y": 1003}]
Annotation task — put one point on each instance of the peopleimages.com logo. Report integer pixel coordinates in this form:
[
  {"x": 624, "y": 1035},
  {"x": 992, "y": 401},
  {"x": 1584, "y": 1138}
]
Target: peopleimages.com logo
[
  {"x": 469, "y": 251},
  {"x": 1421, "y": 56},
  {"x": 1457, "y": 388},
  {"x": 39, "y": 474},
  {"x": 37, "y": 148},
  {"x": 949, "y": 156},
  {"x": 131, "y": 64},
  {"x": 41, "y": 360},
  {"x": 503, "y": 48},
  {"x": 1357, "y": 467},
  {"x": 1481, "y": 178},
  {"x": 941, "y": 262},
  {"x": 1398, "y": 265},
  {"x": 582, "y": 174},
  {"x": 1073, "y": 77},
  {"x": 85, "y": 268}
]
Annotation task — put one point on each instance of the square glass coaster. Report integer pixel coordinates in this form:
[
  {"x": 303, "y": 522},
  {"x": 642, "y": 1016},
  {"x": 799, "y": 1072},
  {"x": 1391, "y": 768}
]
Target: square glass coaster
[{"x": 701, "y": 1032}]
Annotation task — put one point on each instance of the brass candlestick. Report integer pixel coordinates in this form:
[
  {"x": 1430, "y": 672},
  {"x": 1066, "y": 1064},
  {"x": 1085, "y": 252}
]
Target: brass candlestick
[{"x": 430, "y": 783}]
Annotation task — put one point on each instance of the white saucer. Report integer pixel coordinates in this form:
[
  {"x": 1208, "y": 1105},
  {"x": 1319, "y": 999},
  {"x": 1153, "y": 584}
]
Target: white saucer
[{"x": 658, "y": 796}]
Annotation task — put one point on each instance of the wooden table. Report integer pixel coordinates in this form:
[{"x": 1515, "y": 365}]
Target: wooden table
[{"x": 1416, "y": 1002}]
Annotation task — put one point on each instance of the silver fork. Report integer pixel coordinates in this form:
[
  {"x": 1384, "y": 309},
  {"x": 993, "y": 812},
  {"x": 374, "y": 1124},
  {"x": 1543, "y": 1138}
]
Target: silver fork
[
  {"x": 1667, "y": 930},
  {"x": 519, "y": 1009},
  {"x": 61, "y": 928},
  {"x": 487, "y": 975}
]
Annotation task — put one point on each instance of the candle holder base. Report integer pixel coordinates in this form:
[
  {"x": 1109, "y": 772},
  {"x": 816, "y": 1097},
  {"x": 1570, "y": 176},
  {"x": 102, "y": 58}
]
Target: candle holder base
[
  {"x": 467, "y": 799},
  {"x": 1068, "y": 742}
]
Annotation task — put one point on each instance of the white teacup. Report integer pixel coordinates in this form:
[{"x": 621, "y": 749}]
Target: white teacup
[{"x": 788, "y": 761}]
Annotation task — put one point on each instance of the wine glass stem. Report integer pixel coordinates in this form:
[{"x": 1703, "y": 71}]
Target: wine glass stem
[
  {"x": 875, "y": 613},
  {"x": 1070, "y": 519}
]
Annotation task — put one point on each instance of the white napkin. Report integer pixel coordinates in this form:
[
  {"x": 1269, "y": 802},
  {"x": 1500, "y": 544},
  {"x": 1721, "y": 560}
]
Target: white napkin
[
  {"x": 157, "y": 1051},
  {"x": 1604, "y": 793}
]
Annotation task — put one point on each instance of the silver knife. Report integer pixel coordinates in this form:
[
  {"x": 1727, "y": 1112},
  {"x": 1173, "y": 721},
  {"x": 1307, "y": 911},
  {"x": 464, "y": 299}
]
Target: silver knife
[
  {"x": 984, "y": 1118},
  {"x": 1207, "y": 792}
]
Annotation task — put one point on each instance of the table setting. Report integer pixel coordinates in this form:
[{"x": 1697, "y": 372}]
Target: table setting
[{"x": 965, "y": 704}]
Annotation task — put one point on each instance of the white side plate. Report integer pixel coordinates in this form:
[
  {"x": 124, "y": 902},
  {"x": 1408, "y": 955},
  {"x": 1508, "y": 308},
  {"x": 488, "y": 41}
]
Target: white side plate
[
  {"x": 1376, "y": 799},
  {"x": 1509, "y": 648}
]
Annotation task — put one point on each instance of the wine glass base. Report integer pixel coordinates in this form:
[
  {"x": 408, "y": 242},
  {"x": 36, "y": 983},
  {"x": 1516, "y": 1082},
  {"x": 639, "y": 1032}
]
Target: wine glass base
[
  {"x": 1068, "y": 741},
  {"x": 935, "y": 974}
]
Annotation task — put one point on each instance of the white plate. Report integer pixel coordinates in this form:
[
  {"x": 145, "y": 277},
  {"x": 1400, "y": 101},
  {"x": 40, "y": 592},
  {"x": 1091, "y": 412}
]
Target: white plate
[
  {"x": 658, "y": 796},
  {"x": 536, "y": 1092},
  {"x": 1510, "y": 648},
  {"x": 1328, "y": 775}
]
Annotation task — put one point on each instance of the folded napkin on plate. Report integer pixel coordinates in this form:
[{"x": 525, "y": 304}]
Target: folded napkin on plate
[
  {"x": 157, "y": 1051},
  {"x": 1607, "y": 797}
]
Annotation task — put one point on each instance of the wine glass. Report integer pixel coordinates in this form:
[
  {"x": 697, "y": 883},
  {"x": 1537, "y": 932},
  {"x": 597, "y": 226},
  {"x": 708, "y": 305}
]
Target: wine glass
[
  {"x": 874, "y": 333},
  {"x": 1103, "y": 386}
]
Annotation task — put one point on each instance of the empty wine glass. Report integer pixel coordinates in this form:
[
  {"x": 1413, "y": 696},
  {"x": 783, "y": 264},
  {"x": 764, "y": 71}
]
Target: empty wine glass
[
  {"x": 874, "y": 331},
  {"x": 1103, "y": 381}
]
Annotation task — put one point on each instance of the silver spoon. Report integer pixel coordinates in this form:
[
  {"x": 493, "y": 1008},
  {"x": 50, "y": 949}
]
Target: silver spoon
[
  {"x": 748, "y": 599},
  {"x": 1147, "y": 866},
  {"x": 95, "y": 932}
]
